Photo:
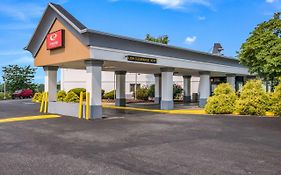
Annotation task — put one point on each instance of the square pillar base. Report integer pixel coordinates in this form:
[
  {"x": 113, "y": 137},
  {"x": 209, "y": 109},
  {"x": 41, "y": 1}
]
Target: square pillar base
[
  {"x": 167, "y": 105},
  {"x": 202, "y": 102},
  {"x": 95, "y": 112},
  {"x": 187, "y": 99},
  {"x": 157, "y": 100},
  {"x": 120, "y": 102}
]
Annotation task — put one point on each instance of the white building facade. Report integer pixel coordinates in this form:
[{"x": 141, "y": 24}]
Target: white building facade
[
  {"x": 91, "y": 59},
  {"x": 75, "y": 78}
]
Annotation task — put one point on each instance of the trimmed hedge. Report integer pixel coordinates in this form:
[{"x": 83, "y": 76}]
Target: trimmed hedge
[
  {"x": 143, "y": 93},
  {"x": 71, "y": 97},
  {"x": 109, "y": 95},
  {"x": 77, "y": 91},
  {"x": 37, "y": 97},
  {"x": 223, "y": 101},
  {"x": 276, "y": 101},
  {"x": 253, "y": 99},
  {"x": 61, "y": 95}
]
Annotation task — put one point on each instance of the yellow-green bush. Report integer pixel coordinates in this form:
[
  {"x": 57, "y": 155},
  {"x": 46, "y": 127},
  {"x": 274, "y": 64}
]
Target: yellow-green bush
[
  {"x": 37, "y": 97},
  {"x": 61, "y": 95},
  {"x": 253, "y": 99},
  {"x": 276, "y": 100},
  {"x": 223, "y": 100},
  {"x": 109, "y": 95},
  {"x": 71, "y": 97},
  {"x": 77, "y": 90},
  {"x": 142, "y": 93}
]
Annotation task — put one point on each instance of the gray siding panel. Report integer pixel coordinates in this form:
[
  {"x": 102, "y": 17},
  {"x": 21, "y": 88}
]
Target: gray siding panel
[{"x": 100, "y": 40}]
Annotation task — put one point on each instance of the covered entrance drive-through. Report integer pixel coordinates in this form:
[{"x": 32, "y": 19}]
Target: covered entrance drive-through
[{"x": 61, "y": 41}]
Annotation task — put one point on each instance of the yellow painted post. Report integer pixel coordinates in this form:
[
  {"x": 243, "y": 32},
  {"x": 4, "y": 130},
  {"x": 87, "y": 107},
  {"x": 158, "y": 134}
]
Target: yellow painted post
[
  {"x": 46, "y": 103},
  {"x": 87, "y": 106},
  {"x": 42, "y": 102},
  {"x": 80, "y": 113}
]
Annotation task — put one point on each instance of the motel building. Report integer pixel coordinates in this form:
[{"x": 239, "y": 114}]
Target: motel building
[{"x": 96, "y": 60}]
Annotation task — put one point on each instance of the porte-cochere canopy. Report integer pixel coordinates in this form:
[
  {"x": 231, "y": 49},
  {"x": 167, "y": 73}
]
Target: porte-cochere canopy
[{"x": 61, "y": 41}]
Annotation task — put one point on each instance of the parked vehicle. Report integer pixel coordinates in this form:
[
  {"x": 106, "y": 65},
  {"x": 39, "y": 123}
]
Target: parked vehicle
[{"x": 24, "y": 93}]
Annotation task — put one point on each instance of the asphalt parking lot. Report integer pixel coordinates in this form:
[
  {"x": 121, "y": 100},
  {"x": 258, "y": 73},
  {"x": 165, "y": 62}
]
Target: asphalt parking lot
[{"x": 138, "y": 143}]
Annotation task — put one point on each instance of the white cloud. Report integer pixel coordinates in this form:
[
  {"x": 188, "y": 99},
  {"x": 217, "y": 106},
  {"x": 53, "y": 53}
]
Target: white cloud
[
  {"x": 15, "y": 57},
  {"x": 271, "y": 1},
  {"x": 17, "y": 26},
  {"x": 24, "y": 60},
  {"x": 179, "y": 3},
  {"x": 21, "y": 11},
  {"x": 12, "y": 52},
  {"x": 62, "y": 2},
  {"x": 201, "y": 18},
  {"x": 190, "y": 40}
]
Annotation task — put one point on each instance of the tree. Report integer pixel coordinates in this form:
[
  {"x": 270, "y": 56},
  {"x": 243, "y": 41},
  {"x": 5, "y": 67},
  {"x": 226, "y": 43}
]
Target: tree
[
  {"x": 262, "y": 50},
  {"x": 17, "y": 77},
  {"x": 161, "y": 39}
]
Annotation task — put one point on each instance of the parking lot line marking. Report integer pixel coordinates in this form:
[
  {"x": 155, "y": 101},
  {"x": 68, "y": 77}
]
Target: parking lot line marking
[
  {"x": 176, "y": 111},
  {"x": 28, "y": 118}
]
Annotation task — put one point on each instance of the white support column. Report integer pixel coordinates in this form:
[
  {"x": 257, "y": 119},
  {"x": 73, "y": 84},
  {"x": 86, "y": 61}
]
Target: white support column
[
  {"x": 120, "y": 88},
  {"x": 51, "y": 81},
  {"x": 204, "y": 88},
  {"x": 167, "y": 101},
  {"x": 230, "y": 78},
  {"x": 62, "y": 79},
  {"x": 157, "y": 91},
  {"x": 187, "y": 89},
  {"x": 93, "y": 86}
]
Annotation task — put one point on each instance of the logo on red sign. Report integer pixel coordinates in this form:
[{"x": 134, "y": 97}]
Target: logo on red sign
[{"x": 55, "y": 40}]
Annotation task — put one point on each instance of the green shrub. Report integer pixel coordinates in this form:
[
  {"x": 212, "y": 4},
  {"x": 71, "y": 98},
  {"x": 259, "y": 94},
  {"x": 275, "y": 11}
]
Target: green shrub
[
  {"x": 71, "y": 97},
  {"x": 270, "y": 101},
  {"x": 61, "y": 95},
  {"x": 109, "y": 95},
  {"x": 152, "y": 91},
  {"x": 177, "y": 91},
  {"x": 223, "y": 101},
  {"x": 142, "y": 93},
  {"x": 276, "y": 100},
  {"x": 253, "y": 99},
  {"x": 77, "y": 91},
  {"x": 37, "y": 97}
]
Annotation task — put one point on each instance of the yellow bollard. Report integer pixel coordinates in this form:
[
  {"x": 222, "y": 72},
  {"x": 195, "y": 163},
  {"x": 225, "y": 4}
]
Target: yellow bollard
[
  {"x": 42, "y": 102},
  {"x": 46, "y": 103},
  {"x": 87, "y": 106},
  {"x": 80, "y": 112}
]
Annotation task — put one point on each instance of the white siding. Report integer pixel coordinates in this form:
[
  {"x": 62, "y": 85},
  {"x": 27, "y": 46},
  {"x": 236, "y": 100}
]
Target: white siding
[{"x": 72, "y": 78}]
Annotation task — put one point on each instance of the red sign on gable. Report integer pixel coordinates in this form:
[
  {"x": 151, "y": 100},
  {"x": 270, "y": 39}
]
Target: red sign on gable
[{"x": 55, "y": 40}]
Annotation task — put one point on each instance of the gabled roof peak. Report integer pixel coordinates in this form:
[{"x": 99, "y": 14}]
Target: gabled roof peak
[{"x": 68, "y": 17}]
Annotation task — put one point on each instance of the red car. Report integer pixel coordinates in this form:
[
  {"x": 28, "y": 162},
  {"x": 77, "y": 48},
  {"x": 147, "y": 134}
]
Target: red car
[{"x": 24, "y": 93}]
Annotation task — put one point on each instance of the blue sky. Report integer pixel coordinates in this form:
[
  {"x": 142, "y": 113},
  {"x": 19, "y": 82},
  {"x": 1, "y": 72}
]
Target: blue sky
[{"x": 194, "y": 24}]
